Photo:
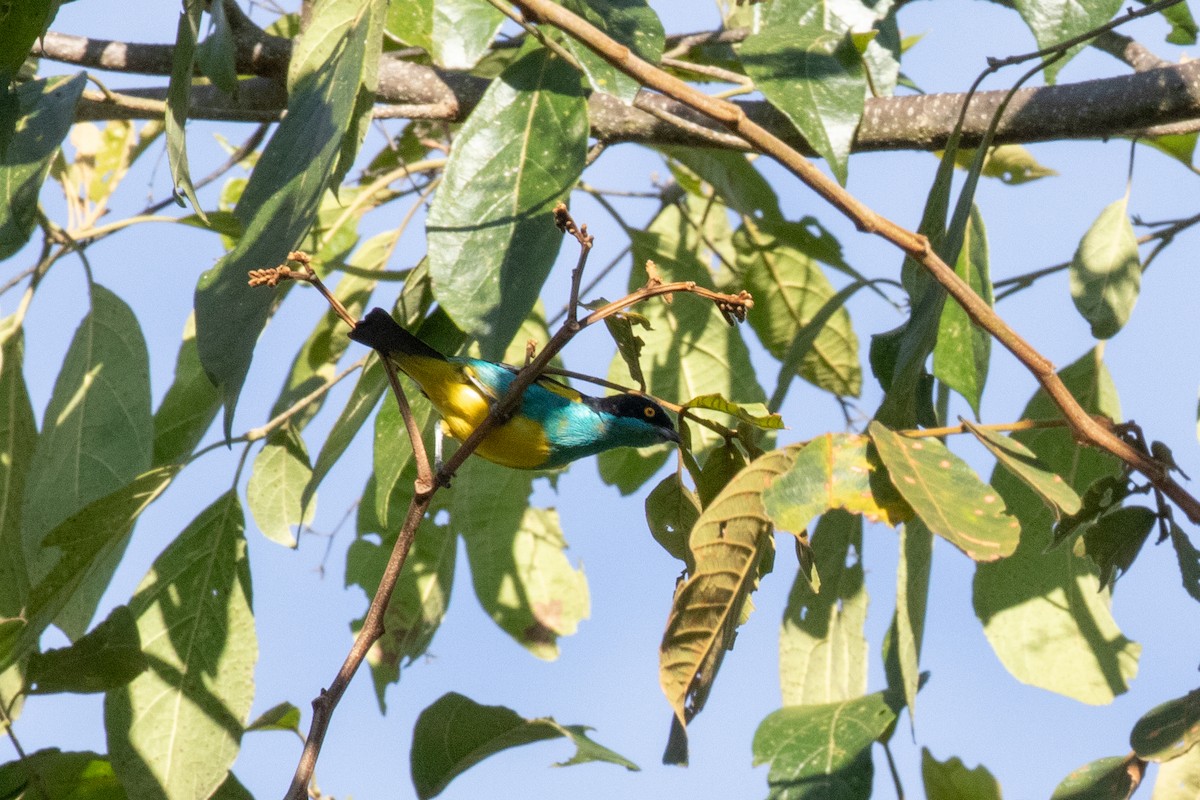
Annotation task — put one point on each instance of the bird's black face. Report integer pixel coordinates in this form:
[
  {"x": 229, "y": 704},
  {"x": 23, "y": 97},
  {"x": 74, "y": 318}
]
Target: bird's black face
[{"x": 645, "y": 410}]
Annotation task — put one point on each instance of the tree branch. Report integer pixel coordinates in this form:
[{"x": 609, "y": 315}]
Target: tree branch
[{"x": 1096, "y": 109}]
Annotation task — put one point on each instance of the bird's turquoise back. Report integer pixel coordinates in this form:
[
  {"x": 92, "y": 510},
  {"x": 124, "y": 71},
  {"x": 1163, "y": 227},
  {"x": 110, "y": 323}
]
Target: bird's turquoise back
[{"x": 573, "y": 428}]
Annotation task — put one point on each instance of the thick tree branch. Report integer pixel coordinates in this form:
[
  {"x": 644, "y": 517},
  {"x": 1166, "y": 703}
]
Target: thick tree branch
[{"x": 1126, "y": 104}]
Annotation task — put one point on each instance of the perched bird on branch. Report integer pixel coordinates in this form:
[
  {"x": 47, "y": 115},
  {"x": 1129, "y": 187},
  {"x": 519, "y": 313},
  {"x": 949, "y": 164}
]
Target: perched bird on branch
[{"x": 553, "y": 424}]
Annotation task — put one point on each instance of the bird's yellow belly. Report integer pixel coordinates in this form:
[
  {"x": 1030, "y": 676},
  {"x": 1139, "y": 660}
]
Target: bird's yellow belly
[{"x": 520, "y": 443}]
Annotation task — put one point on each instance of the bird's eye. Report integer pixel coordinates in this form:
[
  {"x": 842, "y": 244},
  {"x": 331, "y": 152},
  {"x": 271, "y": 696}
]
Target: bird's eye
[{"x": 649, "y": 411}]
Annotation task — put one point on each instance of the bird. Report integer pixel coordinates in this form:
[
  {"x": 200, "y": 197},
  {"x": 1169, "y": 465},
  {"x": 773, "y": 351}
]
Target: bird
[{"x": 552, "y": 426}]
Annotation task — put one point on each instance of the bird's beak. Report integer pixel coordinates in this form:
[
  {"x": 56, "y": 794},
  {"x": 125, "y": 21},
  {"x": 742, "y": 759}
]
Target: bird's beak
[{"x": 669, "y": 435}]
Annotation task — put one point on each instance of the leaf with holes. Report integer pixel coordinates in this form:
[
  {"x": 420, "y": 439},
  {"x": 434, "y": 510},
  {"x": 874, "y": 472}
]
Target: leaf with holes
[
  {"x": 947, "y": 495},
  {"x": 729, "y": 544}
]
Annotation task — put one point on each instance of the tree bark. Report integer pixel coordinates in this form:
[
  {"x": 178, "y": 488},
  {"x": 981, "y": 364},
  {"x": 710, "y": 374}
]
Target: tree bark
[{"x": 1137, "y": 104}]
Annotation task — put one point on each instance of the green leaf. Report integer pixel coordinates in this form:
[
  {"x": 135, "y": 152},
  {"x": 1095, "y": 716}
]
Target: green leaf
[
  {"x": 730, "y": 543},
  {"x": 631, "y": 23},
  {"x": 1115, "y": 540},
  {"x": 18, "y": 438},
  {"x": 1179, "y": 777},
  {"x": 1179, "y": 146},
  {"x": 455, "y": 733},
  {"x": 118, "y": 147},
  {"x": 1168, "y": 730},
  {"x": 519, "y": 566},
  {"x": 1103, "y": 494},
  {"x": 179, "y": 92},
  {"x": 86, "y": 541},
  {"x": 175, "y": 730},
  {"x": 1024, "y": 464},
  {"x": 902, "y": 653},
  {"x": 281, "y": 471},
  {"x": 1043, "y": 612},
  {"x": 462, "y": 31},
  {"x": 419, "y": 600},
  {"x": 109, "y": 656},
  {"x": 45, "y": 110},
  {"x": 1112, "y": 778},
  {"x": 947, "y": 495},
  {"x": 492, "y": 240},
  {"x": 1106, "y": 273},
  {"x": 284, "y": 193},
  {"x": 951, "y": 780},
  {"x": 282, "y": 717},
  {"x": 96, "y": 437},
  {"x": 1054, "y": 21},
  {"x": 62, "y": 776},
  {"x": 824, "y": 750},
  {"x": 20, "y": 26},
  {"x": 411, "y": 23},
  {"x": 189, "y": 406},
  {"x": 216, "y": 56},
  {"x": 689, "y": 351},
  {"x": 830, "y": 472},
  {"x": 671, "y": 512},
  {"x": 1189, "y": 560},
  {"x": 719, "y": 468},
  {"x": 790, "y": 291},
  {"x": 822, "y": 643},
  {"x": 804, "y": 62},
  {"x": 963, "y": 349}
]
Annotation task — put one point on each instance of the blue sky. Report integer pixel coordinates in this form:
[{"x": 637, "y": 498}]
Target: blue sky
[{"x": 607, "y": 675}]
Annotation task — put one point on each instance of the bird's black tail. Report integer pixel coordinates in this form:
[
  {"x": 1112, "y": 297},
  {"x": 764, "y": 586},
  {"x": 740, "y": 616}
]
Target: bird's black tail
[{"x": 380, "y": 331}]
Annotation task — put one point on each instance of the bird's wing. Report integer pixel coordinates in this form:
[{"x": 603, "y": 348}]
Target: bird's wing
[{"x": 546, "y": 382}]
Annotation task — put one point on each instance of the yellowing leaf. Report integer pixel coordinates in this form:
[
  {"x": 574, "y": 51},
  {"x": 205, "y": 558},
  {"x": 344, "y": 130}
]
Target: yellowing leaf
[
  {"x": 947, "y": 495},
  {"x": 833, "y": 471},
  {"x": 729, "y": 544}
]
